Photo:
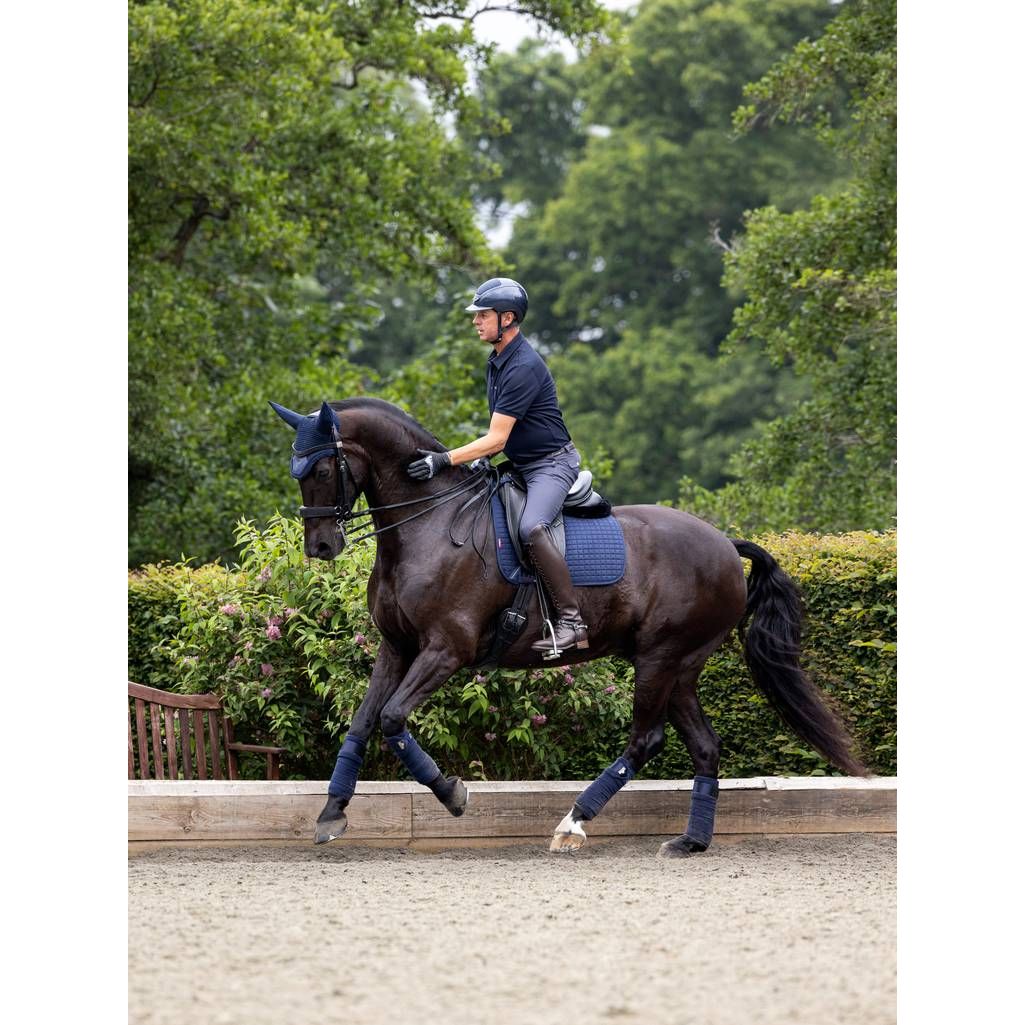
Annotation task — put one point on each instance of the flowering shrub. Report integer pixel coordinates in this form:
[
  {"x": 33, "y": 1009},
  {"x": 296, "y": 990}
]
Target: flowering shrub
[{"x": 289, "y": 645}]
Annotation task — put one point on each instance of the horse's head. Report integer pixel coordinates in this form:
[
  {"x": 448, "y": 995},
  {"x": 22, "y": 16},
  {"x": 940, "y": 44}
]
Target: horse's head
[{"x": 330, "y": 479}]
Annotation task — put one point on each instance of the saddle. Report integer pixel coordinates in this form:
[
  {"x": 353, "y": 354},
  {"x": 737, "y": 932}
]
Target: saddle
[
  {"x": 605, "y": 548},
  {"x": 582, "y": 501}
]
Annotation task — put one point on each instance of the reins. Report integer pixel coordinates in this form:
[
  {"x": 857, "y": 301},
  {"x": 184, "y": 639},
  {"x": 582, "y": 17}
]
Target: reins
[
  {"x": 343, "y": 513},
  {"x": 438, "y": 499}
]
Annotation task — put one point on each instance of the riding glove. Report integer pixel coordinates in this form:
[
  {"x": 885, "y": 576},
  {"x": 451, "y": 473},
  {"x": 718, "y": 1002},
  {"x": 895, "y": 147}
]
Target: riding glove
[{"x": 426, "y": 468}]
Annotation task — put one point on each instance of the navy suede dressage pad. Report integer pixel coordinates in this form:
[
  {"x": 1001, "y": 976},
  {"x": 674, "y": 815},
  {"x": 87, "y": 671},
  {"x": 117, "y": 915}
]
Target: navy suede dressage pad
[{"x": 595, "y": 550}]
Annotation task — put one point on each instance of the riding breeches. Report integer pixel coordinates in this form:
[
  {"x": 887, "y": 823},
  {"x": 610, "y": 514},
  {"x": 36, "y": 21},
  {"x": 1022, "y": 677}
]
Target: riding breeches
[{"x": 548, "y": 482}]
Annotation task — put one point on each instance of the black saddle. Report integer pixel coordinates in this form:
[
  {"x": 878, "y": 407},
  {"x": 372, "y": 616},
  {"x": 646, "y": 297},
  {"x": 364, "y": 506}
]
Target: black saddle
[{"x": 582, "y": 501}]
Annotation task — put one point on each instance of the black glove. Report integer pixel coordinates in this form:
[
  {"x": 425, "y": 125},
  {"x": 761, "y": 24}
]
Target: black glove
[{"x": 426, "y": 468}]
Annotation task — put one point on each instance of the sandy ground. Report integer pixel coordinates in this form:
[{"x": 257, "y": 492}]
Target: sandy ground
[{"x": 798, "y": 929}]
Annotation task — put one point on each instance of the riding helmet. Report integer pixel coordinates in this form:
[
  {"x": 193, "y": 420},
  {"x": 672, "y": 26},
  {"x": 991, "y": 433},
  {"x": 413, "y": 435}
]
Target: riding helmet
[{"x": 500, "y": 294}]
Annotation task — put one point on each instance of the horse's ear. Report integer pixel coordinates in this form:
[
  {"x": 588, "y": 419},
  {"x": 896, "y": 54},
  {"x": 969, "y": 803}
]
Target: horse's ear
[
  {"x": 290, "y": 418},
  {"x": 327, "y": 419}
]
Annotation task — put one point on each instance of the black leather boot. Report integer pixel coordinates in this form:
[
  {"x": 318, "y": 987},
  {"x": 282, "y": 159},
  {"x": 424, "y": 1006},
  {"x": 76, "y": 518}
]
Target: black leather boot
[{"x": 570, "y": 629}]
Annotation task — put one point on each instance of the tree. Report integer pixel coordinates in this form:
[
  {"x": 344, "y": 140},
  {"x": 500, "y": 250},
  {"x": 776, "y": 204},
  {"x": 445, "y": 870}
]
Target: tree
[
  {"x": 288, "y": 161},
  {"x": 820, "y": 286},
  {"x": 617, "y": 248}
]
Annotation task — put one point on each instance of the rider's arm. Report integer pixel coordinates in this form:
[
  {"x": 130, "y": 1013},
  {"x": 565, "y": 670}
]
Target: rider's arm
[{"x": 492, "y": 442}]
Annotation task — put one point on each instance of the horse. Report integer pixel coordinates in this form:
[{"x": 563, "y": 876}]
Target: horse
[{"x": 681, "y": 594}]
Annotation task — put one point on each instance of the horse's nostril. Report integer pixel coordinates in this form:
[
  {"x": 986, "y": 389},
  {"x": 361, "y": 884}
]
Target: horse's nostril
[{"x": 324, "y": 551}]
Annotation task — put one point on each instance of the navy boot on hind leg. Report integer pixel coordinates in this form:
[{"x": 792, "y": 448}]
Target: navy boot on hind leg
[
  {"x": 700, "y": 823},
  {"x": 569, "y": 833}
]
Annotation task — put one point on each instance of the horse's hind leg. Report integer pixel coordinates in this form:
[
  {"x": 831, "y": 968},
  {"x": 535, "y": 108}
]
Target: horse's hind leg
[
  {"x": 647, "y": 738},
  {"x": 690, "y": 721}
]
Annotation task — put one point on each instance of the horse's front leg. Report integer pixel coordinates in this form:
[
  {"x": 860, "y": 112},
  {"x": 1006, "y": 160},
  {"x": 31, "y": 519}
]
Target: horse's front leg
[
  {"x": 430, "y": 669},
  {"x": 388, "y": 672}
]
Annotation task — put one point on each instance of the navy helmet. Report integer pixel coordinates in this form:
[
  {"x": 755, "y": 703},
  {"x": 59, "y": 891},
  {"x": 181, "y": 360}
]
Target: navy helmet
[{"x": 500, "y": 294}]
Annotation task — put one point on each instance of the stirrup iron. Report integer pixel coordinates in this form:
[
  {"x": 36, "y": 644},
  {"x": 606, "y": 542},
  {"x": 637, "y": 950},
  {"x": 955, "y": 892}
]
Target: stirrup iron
[{"x": 547, "y": 626}]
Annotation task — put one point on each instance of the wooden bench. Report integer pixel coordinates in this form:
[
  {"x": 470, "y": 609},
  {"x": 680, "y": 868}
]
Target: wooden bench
[{"x": 185, "y": 736}]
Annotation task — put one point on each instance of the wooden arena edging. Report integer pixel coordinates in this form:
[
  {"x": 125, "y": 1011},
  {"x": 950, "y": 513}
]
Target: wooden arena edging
[{"x": 221, "y": 810}]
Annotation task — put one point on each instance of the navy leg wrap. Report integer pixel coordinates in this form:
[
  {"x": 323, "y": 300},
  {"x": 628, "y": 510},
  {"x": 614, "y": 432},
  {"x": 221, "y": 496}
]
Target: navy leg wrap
[
  {"x": 701, "y": 821},
  {"x": 605, "y": 787},
  {"x": 420, "y": 764},
  {"x": 350, "y": 758}
]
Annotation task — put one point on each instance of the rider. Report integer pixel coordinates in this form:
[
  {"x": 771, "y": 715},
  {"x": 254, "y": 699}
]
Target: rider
[{"x": 527, "y": 424}]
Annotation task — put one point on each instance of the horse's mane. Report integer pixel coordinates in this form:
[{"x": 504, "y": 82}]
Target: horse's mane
[{"x": 423, "y": 437}]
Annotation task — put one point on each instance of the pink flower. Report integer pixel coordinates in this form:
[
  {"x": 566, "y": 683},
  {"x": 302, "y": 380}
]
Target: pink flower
[
  {"x": 231, "y": 609},
  {"x": 478, "y": 678},
  {"x": 360, "y": 639},
  {"x": 273, "y": 631},
  {"x": 249, "y": 645},
  {"x": 492, "y": 708},
  {"x": 610, "y": 689},
  {"x": 570, "y": 677},
  {"x": 274, "y": 621},
  {"x": 265, "y": 573},
  {"x": 289, "y": 613},
  {"x": 539, "y": 720},
  {"x": 489, "y": 736},
  {"x": 267, "y": 669},
  {"x": 266, "y": 692}
]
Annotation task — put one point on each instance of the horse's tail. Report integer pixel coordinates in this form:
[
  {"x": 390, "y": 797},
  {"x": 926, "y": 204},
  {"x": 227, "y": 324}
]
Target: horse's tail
[{"x": 771, "y": 630}]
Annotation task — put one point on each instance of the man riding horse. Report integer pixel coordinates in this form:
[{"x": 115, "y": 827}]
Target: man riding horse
[{"x": 527, "y": 425}]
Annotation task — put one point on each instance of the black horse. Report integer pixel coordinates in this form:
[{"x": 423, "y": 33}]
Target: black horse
[{"x": 682, "y": 593}]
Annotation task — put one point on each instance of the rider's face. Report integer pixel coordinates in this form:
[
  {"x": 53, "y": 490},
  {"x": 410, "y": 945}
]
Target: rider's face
[{"x": 486, "y": 323}]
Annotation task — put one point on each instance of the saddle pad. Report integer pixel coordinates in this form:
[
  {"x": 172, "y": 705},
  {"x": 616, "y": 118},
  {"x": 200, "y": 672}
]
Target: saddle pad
[{"x": 595, "y": 550}]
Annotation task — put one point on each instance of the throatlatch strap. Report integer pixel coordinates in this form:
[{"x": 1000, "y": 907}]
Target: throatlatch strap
[
  {"x": 701, "y": 821},
  {"x": 605, "y": 787},
  {"x": 350, "y": 758},
  {"x": 420, "y": 764}
]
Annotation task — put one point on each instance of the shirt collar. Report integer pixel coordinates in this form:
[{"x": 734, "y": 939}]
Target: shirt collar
[{"x": 501, "y": 360}]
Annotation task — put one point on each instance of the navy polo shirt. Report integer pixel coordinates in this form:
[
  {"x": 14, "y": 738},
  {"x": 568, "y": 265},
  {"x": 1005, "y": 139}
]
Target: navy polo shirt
[{"x": 521, "y": 385}]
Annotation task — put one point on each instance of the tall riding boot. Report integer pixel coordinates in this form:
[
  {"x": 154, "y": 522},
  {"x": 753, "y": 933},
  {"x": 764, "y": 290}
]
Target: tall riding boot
[{"x": 570, "y": 629}]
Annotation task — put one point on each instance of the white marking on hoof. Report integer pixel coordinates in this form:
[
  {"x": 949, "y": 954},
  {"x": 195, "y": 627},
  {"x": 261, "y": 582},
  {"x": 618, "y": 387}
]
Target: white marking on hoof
[{"x": 569, "y": 835}]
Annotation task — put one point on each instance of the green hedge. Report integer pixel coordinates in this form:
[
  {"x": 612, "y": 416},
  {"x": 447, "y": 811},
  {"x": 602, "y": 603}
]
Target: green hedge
[{"x": 289, "y": 645}]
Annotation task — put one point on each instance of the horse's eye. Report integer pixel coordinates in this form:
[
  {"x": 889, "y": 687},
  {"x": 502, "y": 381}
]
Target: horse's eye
[{"x": 323, "y": 474}]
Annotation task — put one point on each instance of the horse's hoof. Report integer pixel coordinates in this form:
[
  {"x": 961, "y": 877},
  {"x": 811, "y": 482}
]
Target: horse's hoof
[
  {"x": 569, "y": 835},
  {"x": 563, "y": 842},
  {"x": 327, "y": 831},
  {"x": 681, "y": 847},
  {"x": 331, "y": 823},
  {"x": 453, "y": 795}
]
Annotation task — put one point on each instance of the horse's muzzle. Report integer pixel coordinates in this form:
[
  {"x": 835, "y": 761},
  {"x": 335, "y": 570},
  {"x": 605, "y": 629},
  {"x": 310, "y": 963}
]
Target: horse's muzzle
[{"x": 323, "y": 545}]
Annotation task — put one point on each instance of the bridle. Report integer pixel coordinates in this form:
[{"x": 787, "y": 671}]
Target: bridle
[
  {"x": 342, "y": 509},
  {"x": 342, "y": 512}
]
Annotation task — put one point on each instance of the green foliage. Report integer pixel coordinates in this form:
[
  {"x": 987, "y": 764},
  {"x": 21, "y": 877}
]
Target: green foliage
[
  {"x": 820, "y": 288},
  {"x": 289, "y": 645},
  {"x": 288, "y": 162},
  {"x": 538, "y": 129}
]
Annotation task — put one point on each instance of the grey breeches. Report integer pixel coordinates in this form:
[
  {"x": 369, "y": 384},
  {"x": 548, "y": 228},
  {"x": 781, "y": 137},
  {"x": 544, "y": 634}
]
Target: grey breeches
[{"x": 548, "y": 482}]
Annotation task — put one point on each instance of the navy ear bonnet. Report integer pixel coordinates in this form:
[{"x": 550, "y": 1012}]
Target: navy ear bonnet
[{"x": 314, "y": 437}]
